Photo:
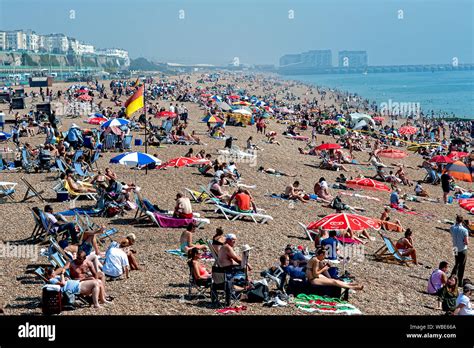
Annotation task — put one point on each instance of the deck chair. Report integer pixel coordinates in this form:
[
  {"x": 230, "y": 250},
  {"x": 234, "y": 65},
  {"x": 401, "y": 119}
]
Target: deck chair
[
  {"x": 78, "y": 169},
  {"x": 60, "y": 165},
  {"x": 195, "y": 289},
  {"x": 31, "y": 192},
  {"x": 307, "y": 232},
  {"x": 77, "y": 154},
  {"x": 75, "y": 195},
  {"x": 109, "y": 141},
  {"x": 39, "y": 232},
  {"x": 389, "y": 253},
  {"x": 141, "y": 210},
  {"x": 26, "y": 163},
  {"x": 233, "y": 215},
  {"x": 7, "y": 189},
  {"x": 95, "y": 158}
]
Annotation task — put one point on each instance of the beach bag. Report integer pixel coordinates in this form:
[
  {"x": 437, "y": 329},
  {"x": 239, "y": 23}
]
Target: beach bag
[
  {"x": 51, "y": 299},
  {"x": 258, "y": 293},
  {"x": 68, "y": 301}
]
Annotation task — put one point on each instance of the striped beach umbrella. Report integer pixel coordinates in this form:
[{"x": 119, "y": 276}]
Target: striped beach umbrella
[
  {"x": 5, "y": 136},
  {"x": 115, "y": 122},
  {"x": 133, "y": 159},
  {"x": 95, "y": 120}
]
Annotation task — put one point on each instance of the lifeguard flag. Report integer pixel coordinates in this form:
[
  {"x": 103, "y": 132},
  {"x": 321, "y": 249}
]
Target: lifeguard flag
[{"x": 135, "y": 102}]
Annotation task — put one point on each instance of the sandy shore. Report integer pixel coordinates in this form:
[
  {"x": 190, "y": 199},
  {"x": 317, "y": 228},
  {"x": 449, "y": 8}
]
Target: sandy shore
[{"x": 158, "y": 288}]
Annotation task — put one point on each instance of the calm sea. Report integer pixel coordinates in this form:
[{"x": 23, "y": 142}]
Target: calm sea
[{"x": 443, "y": 92}]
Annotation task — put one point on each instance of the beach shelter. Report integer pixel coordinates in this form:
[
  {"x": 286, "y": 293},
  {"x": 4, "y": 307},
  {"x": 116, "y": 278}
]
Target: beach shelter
[
  {"x": 460, "y": 171},
  {"x": 328, "y": 146},
  {"x": 133, "y": 159},
  {"x": 407, "y": 130},
  {"x": 343, "y": 221},
  {"x": 212, "y": 119},
  {"x": 115, "y": 122},
  {"x": 392, "y": 153},
  {"x": 165, "y": 114},
  {"x": 181, "y": 162},
  {"x": 441, "y": 159},
  {"x": 368, "y": 184}
]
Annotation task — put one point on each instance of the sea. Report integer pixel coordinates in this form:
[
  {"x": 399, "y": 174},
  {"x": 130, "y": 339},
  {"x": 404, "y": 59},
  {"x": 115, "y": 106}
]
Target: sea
[{"x": 446, "y": 93}]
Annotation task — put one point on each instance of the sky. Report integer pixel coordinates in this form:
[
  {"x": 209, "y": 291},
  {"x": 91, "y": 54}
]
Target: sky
[{"x": 393, "y": 32}]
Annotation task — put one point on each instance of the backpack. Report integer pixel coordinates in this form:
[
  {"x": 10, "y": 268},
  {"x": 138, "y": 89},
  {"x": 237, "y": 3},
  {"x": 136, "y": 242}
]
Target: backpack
[{"x": 258, "y": 293}]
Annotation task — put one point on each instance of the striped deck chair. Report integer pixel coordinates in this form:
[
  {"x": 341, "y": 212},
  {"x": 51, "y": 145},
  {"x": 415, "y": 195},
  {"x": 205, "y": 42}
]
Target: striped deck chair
[{"x": 389, "y": 253}]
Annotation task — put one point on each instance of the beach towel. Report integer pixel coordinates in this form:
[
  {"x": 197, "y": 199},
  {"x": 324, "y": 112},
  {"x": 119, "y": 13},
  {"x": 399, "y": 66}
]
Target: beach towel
[
  {"x": 312, "y": 197},
  {"x": 206, "y": 256},
  {"x": 347, "y": 240},
  {"x": 228, "y": 310},
  {"x": 72, "y": 212},
  {"x": 326, "y": 305},
  {"x": 171, "y": 222},
  {"x": 359, "y": 196},
  {"x": 297, "y": 137}
]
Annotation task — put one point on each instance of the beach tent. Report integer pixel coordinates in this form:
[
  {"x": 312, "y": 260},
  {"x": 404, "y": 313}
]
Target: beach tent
[
  {"x": 368, "y": 184},
  {"x": 458, "y": 170},
  {"x": 343, "y": 221},
  {"x": 358, "y": 120}
]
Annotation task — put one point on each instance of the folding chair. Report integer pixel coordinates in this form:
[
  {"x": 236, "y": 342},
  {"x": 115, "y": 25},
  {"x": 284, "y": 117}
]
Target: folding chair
[
  {"x": 75, "y": 195},
  {"x": 77, "y": 154},
  {"x": 39, "y": 232},
  {"x": 195, "y": 286},
  {"x": 31, "y": 192},
  {"x": 95, "y": 158},
  {"x": 307, "y": 232},
  {"x": 109, "y": 141},
  {"x": 80, "y": 172},
  {"x": 389, "y": 253},
  {"x": 7, "y": 189}
]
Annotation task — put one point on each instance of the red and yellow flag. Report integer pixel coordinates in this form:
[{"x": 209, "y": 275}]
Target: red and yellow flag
[{"x": 135, "y": 102}]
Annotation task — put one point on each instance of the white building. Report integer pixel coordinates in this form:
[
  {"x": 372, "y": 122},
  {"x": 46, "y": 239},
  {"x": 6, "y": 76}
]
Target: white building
[
  {"x": 32, "y": 41},
  {"x": 16, "y": 40},
  {"x": 3, "y": 40},
  {"x": 84, "y": 48},
  {"x": 115, "y": 52},
  {"x": 56, "y": 43},
  {"x": 73, "y": 45}
]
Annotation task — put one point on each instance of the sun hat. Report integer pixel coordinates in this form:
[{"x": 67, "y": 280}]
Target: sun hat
[
  {"x": 230, "y": 236},
  {"x": 246, "y": 247}
]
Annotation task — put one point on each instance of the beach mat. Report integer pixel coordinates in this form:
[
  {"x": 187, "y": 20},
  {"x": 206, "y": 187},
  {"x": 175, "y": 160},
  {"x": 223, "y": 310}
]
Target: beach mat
[
  {"x": 312, "y": 197},
  {"x": 326, "y": 305}
]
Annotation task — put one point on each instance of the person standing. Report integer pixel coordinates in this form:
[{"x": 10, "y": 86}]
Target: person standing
[
  {"x": 445, "y": 181},
  {"x": 460, "y": 237}
]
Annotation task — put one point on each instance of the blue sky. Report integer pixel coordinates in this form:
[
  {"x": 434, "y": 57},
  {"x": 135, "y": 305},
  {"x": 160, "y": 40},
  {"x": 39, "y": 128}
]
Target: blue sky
[{"x": 258, "y": 31}]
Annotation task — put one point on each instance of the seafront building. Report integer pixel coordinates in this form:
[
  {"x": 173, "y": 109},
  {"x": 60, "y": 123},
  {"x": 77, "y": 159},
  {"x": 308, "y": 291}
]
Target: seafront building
[{"x": 356, "y": 59}]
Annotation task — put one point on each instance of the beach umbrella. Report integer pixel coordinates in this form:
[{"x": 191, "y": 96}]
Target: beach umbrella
[
  {"x": 95, "y": 120},
  {"x": 441, "y": 159},
  {"x": 83, "y": 90},
  {"x": 242, "y": 111},
  {"x": 242, "y": 103},
  {"x": 85, "y": 97},
  {"x": 368, "y": 184},
  {"x": 115, "y": 122},
  {"x": 216, "y": 98},
  {"x": 328, "y": 146},
  {"x": 166, "y": 114},
  {"x": 456, "y": 155},
  {"x": 407, "y": 130},
  {"x": 5, "y": 136},
  {"x": 329, "y": 122},
  {"x": 206, "y": 95},
  {"x": 135, "y": 158},
  {"x": 460, "y": 171},
  {"x": 392, "y": 153},
  {"x": 98, "y": 115},
  {"x": 212, "y": 119},
  {"x": 378, "y": 119},
  {"x": 234, "y": 97},
  {"x": 179, "y": 162},
  {"x": 343, "y": 221},
  {"x": 224, "y": 106}
]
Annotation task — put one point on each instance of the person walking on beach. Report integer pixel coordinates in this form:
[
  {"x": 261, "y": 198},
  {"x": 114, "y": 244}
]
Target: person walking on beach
[{"x": 460, "y": 237}]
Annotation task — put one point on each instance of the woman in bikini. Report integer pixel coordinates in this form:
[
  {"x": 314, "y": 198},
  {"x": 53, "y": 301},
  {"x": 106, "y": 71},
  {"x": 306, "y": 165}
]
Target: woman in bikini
[
  {"x": 317, "y": 273},
  {"x": 405, "y": 246},
  {"x": 201, "y": 276},
  {"x": 186, "y": 240}
]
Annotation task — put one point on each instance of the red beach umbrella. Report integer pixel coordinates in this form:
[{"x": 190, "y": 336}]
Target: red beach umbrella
[
  {"x": 392, "y": 153},
  {"x": 329, "y": 122},
  {"x": 328, "y": 146},
  {"x": 85, "y": 97},
  {"x": 441, "y": 159},
  {"x": 368, "y": 184},
  {"x": 179, "y": 162},
  {"x": 407, "y": 130},
  {"x": 165, "y": 114},
  {"x": 344, "y": 221},
  {"x": 456, "y": 155}
]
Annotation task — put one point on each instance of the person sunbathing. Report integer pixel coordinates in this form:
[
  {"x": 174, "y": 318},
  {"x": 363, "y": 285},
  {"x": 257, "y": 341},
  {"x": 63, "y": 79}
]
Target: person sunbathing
[
  {"x": 186, "y": 239},
  {"x": 419, "y": 191},
  {"x": 402, "y": 176},
  {"x": 201, "y": 276},
  {"x": 127, "y": 244},
  {"x": 183, "y": 208},
  {"x": 274, "y": 172},
  {"x": 76, "y": 287},
  {"x": 387, "y": 225},
  {"x": 216, "y": 189},
  {"x": 294, "y": 192},
  {"x": 244, "y": 201},
  {"x": 321, "y": 189},
  {"x": 406, "y": 247},
  {"x": 77, "y": 187},
  {"x": 317, "y": 273}
]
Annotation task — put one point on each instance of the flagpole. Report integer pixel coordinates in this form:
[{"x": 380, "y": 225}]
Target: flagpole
[{"x": 146, "y": 125}]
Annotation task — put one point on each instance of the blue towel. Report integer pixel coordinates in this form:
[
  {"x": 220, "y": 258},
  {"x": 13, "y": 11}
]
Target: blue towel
[{"x": 80, "y": 211}]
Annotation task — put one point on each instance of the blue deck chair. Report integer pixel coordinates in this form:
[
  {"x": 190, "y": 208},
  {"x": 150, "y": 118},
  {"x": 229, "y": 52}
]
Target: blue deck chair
[
  {"x": 77, "y": 154},
  {"x": 388, "y": 252},
  {"x": 109, "y": 141},
  {"x": 80, "y": 172},
  {"x": 95, "y": 158}
]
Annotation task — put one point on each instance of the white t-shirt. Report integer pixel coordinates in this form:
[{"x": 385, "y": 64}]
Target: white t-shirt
[
  {"x": 467, "y": 309},
  {"x": 115, "y": 261},
  {"x": 51, "y": 217},
  {"x": 324, "y": 184}
]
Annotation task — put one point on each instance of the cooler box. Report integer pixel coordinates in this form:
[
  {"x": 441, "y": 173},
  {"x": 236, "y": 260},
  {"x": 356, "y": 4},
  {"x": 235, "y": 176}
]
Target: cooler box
[
  {"x": 138, "y": 142},
  {"x": 62, "y": 196}
]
